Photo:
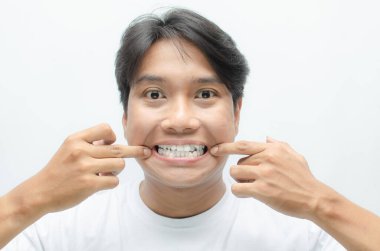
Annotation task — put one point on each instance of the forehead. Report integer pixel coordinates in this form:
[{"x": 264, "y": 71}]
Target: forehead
[{"x": 174, "y": 58}]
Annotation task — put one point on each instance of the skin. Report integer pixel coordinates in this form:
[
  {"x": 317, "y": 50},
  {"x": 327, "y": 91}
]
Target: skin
[
  {"x": 280, "y": 177},
  {"x": 180, "y": 115},
  {"x": 271, "y": 172},
  {"x": 84, "y": 164}
]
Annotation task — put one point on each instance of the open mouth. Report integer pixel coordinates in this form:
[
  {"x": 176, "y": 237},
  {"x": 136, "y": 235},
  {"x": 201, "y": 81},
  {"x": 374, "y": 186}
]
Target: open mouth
[{"x": 181, "y": 151}]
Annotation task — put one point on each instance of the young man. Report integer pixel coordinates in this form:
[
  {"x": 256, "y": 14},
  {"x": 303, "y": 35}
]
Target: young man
[{"x": 181, "y": 80}]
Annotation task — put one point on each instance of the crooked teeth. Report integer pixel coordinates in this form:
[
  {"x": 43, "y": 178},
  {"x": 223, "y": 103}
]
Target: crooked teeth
[{"x": 181, "y": 151}]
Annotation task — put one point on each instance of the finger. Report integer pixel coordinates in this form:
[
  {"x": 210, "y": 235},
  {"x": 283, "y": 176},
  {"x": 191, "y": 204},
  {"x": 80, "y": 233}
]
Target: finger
[
  {"x": 250, "y": 160},
  {"x": 243, "y": 190},
  {"x": 109, "y": 165},
  {"x": 243, "y": 173},
  {"x": 238, "y": 147},
  {"x": 119, "y": 151},
  {"x": 107, "y": 182},
  {"x": 99, "y": 132}
]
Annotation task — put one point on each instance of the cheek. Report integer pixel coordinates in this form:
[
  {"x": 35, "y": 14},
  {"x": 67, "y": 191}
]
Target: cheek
[
  {"x": 138, "y": 125},
  {"x": 220, "y": 124}
]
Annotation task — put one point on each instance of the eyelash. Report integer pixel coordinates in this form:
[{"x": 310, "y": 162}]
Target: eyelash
[
  {"x": 148, "y": 94},
  {"x": 211, "y": 92}
]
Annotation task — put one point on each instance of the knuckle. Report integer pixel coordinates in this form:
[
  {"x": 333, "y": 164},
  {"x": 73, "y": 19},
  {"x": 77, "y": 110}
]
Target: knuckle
[
  {"x": 252, "y": 172},
  {"x": 114, "y": 182},
  {"x": 234, "y": 171},
  {"x": 235, "y": 189},
  {"x": 107, "y": 129},
  {"x": 121, "y": 163},
  {"x": 279, "y": 147},
  {"x": 263, "y": 188},
  {"x": 83, "y": 166},
  {"x": 270, "y": 156},
  {"x": 267, "y": 172},
  {"x": 116, "y": 150},
  {"x": 76, "y": 153},
  {"x": 87, "y": 182},
  {"x": 242, "y": 145},
  {"x": 69, "y": 140},
  {"x": 267, "y": 190}
]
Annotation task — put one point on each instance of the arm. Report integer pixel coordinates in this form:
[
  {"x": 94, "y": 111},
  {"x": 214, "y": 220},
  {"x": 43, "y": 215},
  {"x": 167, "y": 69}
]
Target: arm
[
  {"x": 280, "y": 177},
  {"x": 353, "y": 226},
  {"x": 78, "y": 169},
  {"x": 18, "y": 211}
]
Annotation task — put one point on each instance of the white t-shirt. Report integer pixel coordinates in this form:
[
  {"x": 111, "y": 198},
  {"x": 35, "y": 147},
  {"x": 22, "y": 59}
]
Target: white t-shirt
[{"x": 119, "y": 220}]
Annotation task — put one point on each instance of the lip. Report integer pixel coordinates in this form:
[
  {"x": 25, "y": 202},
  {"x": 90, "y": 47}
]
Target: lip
[{"x": 183, "y": 160}]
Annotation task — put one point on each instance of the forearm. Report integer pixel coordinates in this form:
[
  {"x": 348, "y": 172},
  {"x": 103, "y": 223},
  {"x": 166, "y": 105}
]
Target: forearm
[
  {"x": 354, "y": 227},
  {"x": 17, "y": 212}
]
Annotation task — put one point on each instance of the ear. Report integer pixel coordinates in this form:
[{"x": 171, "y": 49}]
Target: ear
[
  {"x": 124, "y": 122},
  {"x": 237, "y": 108}
]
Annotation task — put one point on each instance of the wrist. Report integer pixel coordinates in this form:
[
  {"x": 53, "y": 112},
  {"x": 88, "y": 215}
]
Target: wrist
[
  {"x": 22, "y": 207},
  {"x": 326, "y": 205},
  {"x": 16, "y": 213}
]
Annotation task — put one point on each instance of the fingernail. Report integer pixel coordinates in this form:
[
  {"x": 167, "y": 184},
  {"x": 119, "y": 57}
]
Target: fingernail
[
  {"x": 214, "y": 150},
  {"x": 147, "y": 152}
]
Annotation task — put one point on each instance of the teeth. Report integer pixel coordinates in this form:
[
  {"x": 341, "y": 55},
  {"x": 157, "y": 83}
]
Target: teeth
[{"x": 181, "y": 151}]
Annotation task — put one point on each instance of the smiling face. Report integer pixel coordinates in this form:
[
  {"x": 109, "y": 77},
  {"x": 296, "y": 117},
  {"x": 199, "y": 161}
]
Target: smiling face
[{"x": 178, "y": 107}]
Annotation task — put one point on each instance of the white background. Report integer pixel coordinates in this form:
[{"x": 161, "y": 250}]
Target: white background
[{"x": 314, "y": 82}]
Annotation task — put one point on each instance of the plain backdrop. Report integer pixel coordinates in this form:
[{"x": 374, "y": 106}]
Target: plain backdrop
[{"x": 314, "y": 82}]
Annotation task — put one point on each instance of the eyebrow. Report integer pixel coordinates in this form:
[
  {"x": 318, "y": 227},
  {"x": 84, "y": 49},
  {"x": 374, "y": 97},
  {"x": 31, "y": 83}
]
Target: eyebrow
[
  {"x": 201, "y": 80},
  {"x": 149, "y": 78},
  {"x": 208, "y": 80}
]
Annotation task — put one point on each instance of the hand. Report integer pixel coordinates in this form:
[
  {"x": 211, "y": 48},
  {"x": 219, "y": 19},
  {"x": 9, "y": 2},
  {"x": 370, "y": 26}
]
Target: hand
[
  {"x": 77, "y": 170},
  {"x": 275, "y": 174}
]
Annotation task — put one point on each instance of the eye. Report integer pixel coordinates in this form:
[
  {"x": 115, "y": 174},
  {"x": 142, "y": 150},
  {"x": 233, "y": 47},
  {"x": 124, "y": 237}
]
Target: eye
[
  {"x": 205, "y": 94},
  {"x": 154, "y": 94}
]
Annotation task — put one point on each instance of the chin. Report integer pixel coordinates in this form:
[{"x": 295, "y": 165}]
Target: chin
[{"x": 183, "y": 177}]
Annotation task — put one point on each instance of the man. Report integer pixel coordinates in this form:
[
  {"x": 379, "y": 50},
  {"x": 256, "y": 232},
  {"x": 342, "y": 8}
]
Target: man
[{"x": 181, "y": 81}]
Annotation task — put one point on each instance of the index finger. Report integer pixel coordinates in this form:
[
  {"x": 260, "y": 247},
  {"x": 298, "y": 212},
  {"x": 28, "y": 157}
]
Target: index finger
[
  {"x": 238, "y": 147},
  {"x": 119, "y": 151}
]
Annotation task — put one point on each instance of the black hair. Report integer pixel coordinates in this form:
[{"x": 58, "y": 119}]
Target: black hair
[{"x": 217, "y": 46}]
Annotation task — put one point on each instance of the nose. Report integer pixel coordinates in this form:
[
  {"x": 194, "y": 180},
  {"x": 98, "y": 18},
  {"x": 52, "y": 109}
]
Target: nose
[{"x": 180, "y": 118}]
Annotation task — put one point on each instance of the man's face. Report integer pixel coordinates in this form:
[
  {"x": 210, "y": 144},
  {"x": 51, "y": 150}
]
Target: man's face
[{"x": 179, "y": 108}]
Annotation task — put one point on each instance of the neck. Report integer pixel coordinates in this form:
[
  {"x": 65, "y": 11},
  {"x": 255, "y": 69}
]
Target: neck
[{"x": 181, "y": 202}]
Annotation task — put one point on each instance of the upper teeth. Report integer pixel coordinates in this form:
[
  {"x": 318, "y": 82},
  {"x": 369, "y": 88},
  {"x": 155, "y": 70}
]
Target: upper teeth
[{"x": 175, "y": 151}]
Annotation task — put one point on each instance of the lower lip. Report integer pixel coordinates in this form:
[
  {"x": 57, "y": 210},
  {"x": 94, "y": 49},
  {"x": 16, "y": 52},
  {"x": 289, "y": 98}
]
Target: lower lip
[{"x": 182, "y": 160}]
